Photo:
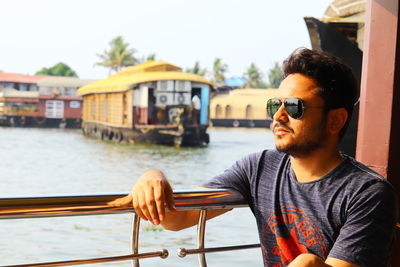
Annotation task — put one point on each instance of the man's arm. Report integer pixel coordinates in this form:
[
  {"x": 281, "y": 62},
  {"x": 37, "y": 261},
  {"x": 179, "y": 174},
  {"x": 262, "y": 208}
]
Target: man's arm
[
  {"x": 151, "y": 194},
  {"x": 311, "y": 260}
]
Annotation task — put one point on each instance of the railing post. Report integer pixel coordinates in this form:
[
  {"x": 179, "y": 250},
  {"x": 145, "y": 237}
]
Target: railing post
[
  {"x": 135, "y": 239},
  {"x": 201, "y": 230}
]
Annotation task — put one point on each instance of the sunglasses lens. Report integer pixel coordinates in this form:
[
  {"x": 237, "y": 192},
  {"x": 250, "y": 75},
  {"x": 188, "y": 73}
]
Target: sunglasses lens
[
  {"x": 294, "y": 107},
  {"x": 273, "y": 105}
]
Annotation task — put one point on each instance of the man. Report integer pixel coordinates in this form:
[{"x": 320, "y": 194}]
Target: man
[
  {"x": 314, "y": 206},
  {"x": 196, "y": 106}
]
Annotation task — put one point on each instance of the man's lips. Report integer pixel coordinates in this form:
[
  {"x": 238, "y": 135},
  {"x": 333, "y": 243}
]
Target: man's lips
[{"x": 278, "y": 129}]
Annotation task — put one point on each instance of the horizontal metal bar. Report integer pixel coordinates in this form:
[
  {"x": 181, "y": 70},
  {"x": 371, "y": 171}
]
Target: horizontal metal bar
[
  {"x": 162, "y": 254},
  {"x": 182, "y": 252},
  {"x": 75, "y": 205}
]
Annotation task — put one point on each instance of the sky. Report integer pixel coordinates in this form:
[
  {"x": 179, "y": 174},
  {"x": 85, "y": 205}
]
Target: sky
[{"x": 41, "y": 33}]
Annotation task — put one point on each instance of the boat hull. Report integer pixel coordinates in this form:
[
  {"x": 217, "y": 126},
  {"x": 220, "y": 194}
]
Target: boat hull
[
  {"x": 172, "y": 135},
  {"x": 41, "y": 122},
  {"x": 241, "y": 123}
]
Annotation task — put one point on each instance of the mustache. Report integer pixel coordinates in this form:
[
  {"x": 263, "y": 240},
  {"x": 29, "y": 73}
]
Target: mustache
[{"x": 281, "y": 125}]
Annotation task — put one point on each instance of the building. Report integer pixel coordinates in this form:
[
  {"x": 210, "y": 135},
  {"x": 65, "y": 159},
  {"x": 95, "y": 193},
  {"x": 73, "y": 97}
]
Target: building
[{"x": 241, "y": 108}]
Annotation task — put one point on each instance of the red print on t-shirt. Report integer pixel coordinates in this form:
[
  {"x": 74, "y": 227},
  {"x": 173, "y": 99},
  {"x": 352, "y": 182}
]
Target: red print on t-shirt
[
  {"x": 288, "y": 234},
  {"x": 290, "y": 247}
]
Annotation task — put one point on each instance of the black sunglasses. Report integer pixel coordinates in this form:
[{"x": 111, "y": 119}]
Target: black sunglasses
[{"x": 294, "y": 107}]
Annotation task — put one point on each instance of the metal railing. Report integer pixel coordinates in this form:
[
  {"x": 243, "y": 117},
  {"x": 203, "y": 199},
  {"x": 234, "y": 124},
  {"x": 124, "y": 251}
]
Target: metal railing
[{"x": 53, "y": 206}]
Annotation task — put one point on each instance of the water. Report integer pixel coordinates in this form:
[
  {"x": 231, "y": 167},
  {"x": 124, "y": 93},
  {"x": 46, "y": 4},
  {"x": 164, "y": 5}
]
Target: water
[{"x": 58, "y": 162}]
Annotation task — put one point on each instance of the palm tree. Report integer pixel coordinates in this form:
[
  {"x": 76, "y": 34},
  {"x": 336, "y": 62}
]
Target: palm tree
[
  {"x": 151, "y": 57},
  {"x": 254, "y": 78},
  {"x": 117, "y": 56},
  {"x": 275, "y": 76},
  {"x": 197, "y": 70},
  {"x": 219, "y": 70}
]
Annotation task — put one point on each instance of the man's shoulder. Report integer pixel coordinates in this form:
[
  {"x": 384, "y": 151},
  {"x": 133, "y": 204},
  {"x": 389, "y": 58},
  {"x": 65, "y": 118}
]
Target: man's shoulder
[
  {"x": 359, "y": 168},
  {"x": 364, "y": 177}
]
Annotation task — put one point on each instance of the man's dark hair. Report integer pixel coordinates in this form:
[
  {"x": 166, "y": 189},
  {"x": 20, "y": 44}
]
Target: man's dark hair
[{"x": 337, "y": 84}]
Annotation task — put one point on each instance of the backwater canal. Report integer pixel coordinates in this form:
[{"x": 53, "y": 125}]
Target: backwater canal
[{"x": 59, "y": 162}]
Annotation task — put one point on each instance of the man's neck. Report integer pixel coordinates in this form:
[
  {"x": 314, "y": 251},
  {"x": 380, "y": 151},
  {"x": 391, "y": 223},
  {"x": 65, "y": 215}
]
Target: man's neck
[{"x": 316, "y": 165}]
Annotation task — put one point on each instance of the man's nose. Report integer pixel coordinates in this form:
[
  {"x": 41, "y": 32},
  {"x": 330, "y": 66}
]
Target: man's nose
[{"x": 281, "y": 114}]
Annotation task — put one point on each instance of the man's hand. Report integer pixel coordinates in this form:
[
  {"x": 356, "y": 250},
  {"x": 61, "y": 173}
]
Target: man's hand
[
  {"x": 149, "y": 197},
  {"x": 151, "y": 193},
  {"x": 311, "y": 260},
  {"x": 308, "y": 260}
]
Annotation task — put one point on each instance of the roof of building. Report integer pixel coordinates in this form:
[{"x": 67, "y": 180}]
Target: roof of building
[
  {"x": 19, "y": 78},
  {"x": 243, "y": 97},
  {"x": 345, "y": 11},
  {"x": 146, "y": 72},
  {"x": 56, "y": 81}
]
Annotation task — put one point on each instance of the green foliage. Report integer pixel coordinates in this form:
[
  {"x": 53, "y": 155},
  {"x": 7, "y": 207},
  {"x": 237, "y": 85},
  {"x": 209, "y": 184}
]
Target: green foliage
[
  {"x": 151, "y": 57},
  {"x": 254, "y": 78},
  {"x": 145, "y": 59},
  {"x": 59, "y": 69},
  {"x": 152, "y": 228},
  {"x": 81, "y": 228},
  {"x": 197, "y": 70},
  {"x": 118, "y": 55},
  {"x": 218, "y": 71},
  {"x": 275, "y": 76}
]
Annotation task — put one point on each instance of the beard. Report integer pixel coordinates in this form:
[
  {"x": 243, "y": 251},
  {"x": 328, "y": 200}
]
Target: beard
[{"x": 308, "y": 144}]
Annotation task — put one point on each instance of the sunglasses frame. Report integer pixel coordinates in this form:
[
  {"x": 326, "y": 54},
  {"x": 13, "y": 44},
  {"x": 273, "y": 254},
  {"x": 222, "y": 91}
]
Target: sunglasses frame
[{"x": 284, "y": 102}]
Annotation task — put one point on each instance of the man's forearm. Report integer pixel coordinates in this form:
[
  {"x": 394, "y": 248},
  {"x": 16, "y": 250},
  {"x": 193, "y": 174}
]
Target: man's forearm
[
  {"x": 308, "y": 260},
  {"x": 179, "y": 220}
]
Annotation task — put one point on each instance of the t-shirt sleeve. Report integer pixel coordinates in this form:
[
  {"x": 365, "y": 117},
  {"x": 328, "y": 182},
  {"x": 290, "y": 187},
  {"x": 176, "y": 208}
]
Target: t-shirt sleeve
[
  {"x": 368, "y": 233},
  {"x": 238, "y": 176}
]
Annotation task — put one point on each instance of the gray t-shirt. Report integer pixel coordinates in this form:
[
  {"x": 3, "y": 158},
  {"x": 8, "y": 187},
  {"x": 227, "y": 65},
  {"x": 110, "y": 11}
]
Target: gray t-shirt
[{"x": 349, "y": 214}]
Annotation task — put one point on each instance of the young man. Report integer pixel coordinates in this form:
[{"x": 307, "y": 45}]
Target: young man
[{"x": 314, "y": 206}]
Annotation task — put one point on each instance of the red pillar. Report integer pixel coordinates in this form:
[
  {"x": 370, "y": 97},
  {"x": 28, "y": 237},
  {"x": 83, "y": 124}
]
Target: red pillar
[{"x": 378, "y": 144}]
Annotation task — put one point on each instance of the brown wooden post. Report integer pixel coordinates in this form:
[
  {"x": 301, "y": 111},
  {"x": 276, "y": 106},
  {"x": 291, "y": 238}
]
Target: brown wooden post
[{"x": 378, "y": 140}]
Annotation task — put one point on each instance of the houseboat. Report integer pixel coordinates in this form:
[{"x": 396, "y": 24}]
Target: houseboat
[
  {"x": 241, "y": 108},
  {"x": 30, "y": 109},
  {"x": 154, "y": 102},
  {"x": 40, "y": 101}
]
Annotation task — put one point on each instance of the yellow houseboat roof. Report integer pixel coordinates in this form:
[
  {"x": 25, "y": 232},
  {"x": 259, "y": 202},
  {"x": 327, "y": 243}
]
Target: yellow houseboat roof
[
  {"x": 241, "y": 98},
  {"x": 146, "y": 72}
]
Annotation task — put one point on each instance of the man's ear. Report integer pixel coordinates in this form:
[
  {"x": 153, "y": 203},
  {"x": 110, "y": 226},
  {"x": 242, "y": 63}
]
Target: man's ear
[{"x": 336, "y": 120}]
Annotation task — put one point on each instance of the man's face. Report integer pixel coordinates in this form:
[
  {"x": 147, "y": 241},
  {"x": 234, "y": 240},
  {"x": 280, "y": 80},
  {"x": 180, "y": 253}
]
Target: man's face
[{"x": 299, "y": 137}]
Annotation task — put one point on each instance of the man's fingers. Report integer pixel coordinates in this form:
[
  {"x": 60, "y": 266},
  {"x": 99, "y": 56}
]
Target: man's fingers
[
  {"x": 142, "y": 207},
  {"x": 160, "y": 202},
  {"x": 169, "y": 199},
  {"x": 138, "y": 211},
  {"x": 151, "y": 206}
]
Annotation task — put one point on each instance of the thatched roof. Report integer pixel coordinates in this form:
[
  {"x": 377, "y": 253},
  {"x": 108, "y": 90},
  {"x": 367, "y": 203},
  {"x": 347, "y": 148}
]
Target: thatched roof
[
  {"x": 145, "y": 72},
  {"x": 340, "y": 9}
]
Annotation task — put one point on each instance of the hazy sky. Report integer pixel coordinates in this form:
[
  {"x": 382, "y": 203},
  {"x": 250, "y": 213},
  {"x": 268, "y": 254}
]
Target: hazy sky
[{"x": 41, "y": 33}]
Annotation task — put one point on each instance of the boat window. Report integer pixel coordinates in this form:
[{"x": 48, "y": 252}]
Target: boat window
[
  {"x": 228, "y": 112},
  {"x": 93, "y": 109},
  {"x": 105, "y": 109},
  {"x": 249, "y": 112},
  {"x": 218, "y": 111}
]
